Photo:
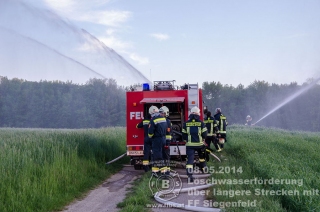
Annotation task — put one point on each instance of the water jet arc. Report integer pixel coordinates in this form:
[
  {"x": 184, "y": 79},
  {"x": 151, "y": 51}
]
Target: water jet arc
[{"x": 290, "y": 98}]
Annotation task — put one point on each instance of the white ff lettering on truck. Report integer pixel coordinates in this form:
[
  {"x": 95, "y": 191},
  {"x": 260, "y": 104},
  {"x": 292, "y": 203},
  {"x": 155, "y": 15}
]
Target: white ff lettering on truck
[{"x": 136, "y": 115}]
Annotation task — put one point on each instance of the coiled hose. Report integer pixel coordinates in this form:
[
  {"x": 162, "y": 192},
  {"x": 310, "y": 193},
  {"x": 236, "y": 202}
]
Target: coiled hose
[{"x": 158, "y": 198}]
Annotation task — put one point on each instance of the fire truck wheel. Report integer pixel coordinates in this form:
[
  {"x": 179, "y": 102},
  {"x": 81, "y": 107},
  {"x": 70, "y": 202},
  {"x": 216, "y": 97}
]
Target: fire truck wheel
[{"x": 137, "y": 167}]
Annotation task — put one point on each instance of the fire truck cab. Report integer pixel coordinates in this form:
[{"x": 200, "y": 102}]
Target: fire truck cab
[{"x": 179, "y": 100}]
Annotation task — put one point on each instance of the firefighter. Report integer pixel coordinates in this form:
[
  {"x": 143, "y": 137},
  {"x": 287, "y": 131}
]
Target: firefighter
[
  {"x": 147, "y": 142},
  {"x": 164, "y": 111},
  {"x": 205, "y": 110},
  {"x": 222, "y": 128},
  {"x": 194, "y": 133},
  {"x": 249, "y": 120},
  {"x": 157, "y": 133},
  {"x": 212, "y": 127}
]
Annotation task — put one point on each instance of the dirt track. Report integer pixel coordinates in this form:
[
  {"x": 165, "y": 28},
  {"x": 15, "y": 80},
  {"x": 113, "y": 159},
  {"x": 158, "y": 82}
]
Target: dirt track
[{"x": 108, "y": 195}]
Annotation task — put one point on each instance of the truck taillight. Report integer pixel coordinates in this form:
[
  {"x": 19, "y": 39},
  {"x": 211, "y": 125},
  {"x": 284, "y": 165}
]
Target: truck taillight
[{"x": 134, "y": 148}]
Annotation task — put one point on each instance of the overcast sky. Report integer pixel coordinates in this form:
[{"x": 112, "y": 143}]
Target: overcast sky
[{"x": 231, "y": 41}]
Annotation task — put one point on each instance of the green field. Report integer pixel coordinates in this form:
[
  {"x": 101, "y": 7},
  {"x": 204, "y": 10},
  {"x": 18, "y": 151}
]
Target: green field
[
  {"x": 283, "y": 166},
  {"x": 44, "y": 170},
  {"x": 275, "y": 169}
]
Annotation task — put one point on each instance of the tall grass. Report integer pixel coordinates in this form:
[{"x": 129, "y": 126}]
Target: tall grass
[
  {"x": 262, "y": 153},
  {"x": 266, "y": 153},
  {"x": 43, "y": 170}
]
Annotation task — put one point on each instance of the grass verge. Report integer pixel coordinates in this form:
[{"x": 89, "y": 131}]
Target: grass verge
[
  {"x": 280, "y": 170},
  {"x": 262, "y": 169},
  {"x": 44, "y": 170},
  {"x": 138, "y": 197}
]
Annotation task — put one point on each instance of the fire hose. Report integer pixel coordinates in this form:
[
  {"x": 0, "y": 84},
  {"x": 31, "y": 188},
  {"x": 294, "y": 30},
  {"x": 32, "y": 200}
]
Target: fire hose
[
  {"x": 118, "y": 158},
  {"x": 158, "y": 198},
  {"x": 208, "y": 150}
]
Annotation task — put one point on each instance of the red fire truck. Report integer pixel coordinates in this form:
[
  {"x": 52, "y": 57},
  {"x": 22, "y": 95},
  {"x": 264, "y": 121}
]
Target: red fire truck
[{"x": 162, "y": 93}]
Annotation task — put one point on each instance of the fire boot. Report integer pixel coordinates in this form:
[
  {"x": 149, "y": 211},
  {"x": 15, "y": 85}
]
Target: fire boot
[
  {"x": 146, "y": 164},
  {"x": 155, "y": 172},
  {"x": 189, "y": 169},
  {"x": 190, "y": 178},
  {"x": 168, "y": 171},
  {"x": 146, "y": 168}
]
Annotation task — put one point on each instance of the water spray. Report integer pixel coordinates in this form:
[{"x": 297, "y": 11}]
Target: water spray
[
  {"x": 52, "y": 50},
  {"x": 290, "y": 98}
]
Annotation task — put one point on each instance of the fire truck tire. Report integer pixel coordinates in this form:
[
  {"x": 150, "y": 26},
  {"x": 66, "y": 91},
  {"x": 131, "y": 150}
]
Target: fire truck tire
[{"x": 137, "y": 167}]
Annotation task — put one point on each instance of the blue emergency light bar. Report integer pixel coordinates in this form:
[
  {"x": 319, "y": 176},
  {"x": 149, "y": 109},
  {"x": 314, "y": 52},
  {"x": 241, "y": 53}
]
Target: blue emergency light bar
[{"x": 145, "y": 87}]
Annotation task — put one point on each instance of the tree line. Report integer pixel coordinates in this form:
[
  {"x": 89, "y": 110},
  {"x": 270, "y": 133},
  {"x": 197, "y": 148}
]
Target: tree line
[
  {"x": 55, "y": 104},
  {"x": 299, "y": 112},
  {"x": 102, "y": 103}
]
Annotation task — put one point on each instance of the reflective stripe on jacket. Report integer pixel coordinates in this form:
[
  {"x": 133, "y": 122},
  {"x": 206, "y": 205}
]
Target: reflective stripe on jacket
[
  {"x": 211, "y": 125},
  {"x": 157, "y": 127},
  {"x": 194, "y": 131},
  {"x": 145, "y": 125},
  {"x": 222, "y": 122},
  {"x": 169, "y": 130}
]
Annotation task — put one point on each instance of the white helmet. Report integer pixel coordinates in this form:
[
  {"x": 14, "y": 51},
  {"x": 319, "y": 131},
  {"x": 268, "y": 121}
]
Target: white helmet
[
  {"x": 164, "y": 110},
  {"x": 248, "y": 116},
  {"x": 153, "y": 109},
  {"x": 195, "y": 110}
]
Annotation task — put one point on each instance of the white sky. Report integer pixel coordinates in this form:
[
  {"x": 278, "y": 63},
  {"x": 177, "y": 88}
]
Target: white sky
[{"x": 230, "y": 41}]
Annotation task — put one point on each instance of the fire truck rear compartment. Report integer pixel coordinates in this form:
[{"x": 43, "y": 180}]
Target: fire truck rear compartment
[{"x": 179, "y": 102}]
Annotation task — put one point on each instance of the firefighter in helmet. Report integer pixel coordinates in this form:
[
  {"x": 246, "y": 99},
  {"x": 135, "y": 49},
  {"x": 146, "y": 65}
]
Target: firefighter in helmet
[
  {"x": 212, "y": 127},
  {"x": 249, "y": 120},
  {"x": 157, "y": 133},
  {"x": 222, "y": 129},
  {"x": 164, "y": 111},
  {"x": 194, "y": 132},
  {"x": 147, "y": 142}
]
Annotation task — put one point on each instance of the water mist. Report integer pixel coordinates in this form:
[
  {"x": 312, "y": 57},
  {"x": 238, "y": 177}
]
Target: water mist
[{"x": 290, "y": 98}]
